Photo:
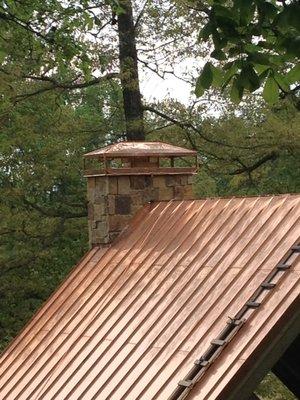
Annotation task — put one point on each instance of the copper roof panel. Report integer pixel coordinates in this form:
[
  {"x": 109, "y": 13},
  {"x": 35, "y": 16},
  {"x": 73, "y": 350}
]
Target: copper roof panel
[
  {"x": 131, "y": 319},
  {"x": 141, "y": 149}
]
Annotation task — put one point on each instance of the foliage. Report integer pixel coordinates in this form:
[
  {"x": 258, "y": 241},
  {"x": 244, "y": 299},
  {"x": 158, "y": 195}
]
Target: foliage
[
  {"x": 272, "y": 389},
  {"x": 246, "y": 151},
  {"x": 43, "y": 221},
  {"x": 256, "y": 44}
]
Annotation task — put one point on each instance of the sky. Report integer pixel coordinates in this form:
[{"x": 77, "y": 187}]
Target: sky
[{"x": 153, "y": 87}]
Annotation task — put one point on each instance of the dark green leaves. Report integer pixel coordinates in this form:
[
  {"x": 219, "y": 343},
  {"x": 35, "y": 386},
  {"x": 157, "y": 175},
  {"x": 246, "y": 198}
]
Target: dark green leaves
[
  {"x": 206, "y": 76},
  {"x": 271, "y": 90},
  {"x": 237, "y": 91},
  {"x": 248, "y": 78},
  {"x": 210, "y": 76},
  {"x": 256, "y": 41},
  {"x": 218, "y": 54},
  {"x": 294, "y": 74}
]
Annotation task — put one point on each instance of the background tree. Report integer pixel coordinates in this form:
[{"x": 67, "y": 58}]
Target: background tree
[{"x": 69, "y": 46}]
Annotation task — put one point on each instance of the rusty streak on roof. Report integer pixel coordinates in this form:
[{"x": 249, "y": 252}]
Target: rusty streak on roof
[
  {"x": 141, "y": 149},
  {"x": 131, "y": 319}
]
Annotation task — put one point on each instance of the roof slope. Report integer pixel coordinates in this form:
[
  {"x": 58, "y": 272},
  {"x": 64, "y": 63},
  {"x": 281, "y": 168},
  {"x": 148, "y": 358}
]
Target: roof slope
[{"x": 130, "y": 320}]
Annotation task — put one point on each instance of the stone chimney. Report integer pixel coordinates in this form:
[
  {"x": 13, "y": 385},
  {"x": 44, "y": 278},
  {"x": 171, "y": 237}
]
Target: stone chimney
[{"x": 121, "y": 178}]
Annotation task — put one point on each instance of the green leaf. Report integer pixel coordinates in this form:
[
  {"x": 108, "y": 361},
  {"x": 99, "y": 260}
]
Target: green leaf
[
  {"x": 271, "y": 90},
  {"x": 236, "y": 93},
  {"x": 249, "y": 78},
  {"x": 224, "y": 12},
  {"x": 294, "y": 74},
  {"x": 263, "y": 74},
  {"x": 206, "y": 76},
  {"x": 217, "y": 77},
  {"x": 199, "y": 91},
  {"x": 246, "y": 10},
  {"x": 2, "y": 56},
  {"x": 282, "y": 81},
  {"x": 230, "y": 72},
  {"x": 289, "y": 17},
  {"x": 218, "y": 54},
  {"x": 206, "y": 31},
  {"x": 293, "y": 46},
  {"x": 259, "y": 58}
]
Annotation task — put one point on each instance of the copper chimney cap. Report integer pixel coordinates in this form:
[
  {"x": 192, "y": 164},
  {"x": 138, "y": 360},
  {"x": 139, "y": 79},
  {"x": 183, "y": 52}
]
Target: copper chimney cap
[{"x": 140, "y": 158}]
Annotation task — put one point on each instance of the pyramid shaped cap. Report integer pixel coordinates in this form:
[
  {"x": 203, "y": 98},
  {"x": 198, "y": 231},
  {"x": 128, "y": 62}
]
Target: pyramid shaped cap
[{"x": 140, "y": 149}]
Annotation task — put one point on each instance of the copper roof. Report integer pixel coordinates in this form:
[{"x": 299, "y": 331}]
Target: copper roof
[
  {"x": 131, "y": 319},
  {"x": 141, "y": 149}
]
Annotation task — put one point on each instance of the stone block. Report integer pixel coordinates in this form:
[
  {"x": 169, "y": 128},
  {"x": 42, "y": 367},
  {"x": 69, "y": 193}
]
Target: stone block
[
  {"x": 111, "y": 205},
  {"x": 102, "y": 226},
  {"x": 117, "y": 223},
  {"x": 137, "y": 199},
  {"x": 183, "y": 179},
  {"x": 179, "y": 192},
  {"x": 152, "y": 194},
  {"x": 100, "y": 187},
  {"x": 135, "y": 209},
  {"x": 112, "y": 184},
  {"x": 183, "y": 192},
  {"x": 124, "y": 185},
  {"x": 96, "y": 239},
  {"x": 159, "y": 181},
  {"x": 99, "y": 232},
  {"x": 123, "y": 205},
  {"x": 189, "y": 192},
  {"x": 173, "y": 180},
  {"x": 90, "y": 189},
  {"x": 166, "y": 193},
  {"x": 140, "y": 182},
  {"x": 91, "y": 183},
  {"x": 100, "y": 210},
  {"x": 90, "y": 211}
]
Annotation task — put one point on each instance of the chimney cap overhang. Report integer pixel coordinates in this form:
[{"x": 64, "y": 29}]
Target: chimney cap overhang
[{"x": 140, "y": 149}]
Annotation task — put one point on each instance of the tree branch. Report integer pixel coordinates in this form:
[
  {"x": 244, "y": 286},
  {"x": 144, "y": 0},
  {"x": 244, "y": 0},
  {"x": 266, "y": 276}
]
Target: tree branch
[
  {"x": 139, "y": 17},
  {"x": 248, "y": 169},
  {"x": 189, "y": 125},
  {"x": 65, "y": 86},
  {"x": 54, "y": 213}
]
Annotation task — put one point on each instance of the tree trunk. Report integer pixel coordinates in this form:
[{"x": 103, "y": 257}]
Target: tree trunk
[{"x": 133, "y": 108}]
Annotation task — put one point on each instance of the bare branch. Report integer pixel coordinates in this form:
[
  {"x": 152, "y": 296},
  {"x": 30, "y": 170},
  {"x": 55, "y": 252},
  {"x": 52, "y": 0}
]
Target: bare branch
[{"x": 139, "y": 17}]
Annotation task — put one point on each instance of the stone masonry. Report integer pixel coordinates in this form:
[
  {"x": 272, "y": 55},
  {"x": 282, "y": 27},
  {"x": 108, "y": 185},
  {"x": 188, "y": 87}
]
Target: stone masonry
[{"x": 113, "y": 200}]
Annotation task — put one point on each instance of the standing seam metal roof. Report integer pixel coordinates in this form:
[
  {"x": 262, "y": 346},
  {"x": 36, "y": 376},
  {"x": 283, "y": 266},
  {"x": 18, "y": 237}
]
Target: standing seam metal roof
[{"x": 131, "y": 319}]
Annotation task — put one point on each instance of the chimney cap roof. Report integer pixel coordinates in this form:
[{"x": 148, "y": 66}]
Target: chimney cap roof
[{"x": 140, "y": 149}]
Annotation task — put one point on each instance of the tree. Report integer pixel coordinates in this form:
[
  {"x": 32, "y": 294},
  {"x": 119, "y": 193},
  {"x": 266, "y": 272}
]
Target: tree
[
  {"x": 256, "y": 44},
  {"x": 132, "y": 99},
  {"x": 69, "y": 46}
]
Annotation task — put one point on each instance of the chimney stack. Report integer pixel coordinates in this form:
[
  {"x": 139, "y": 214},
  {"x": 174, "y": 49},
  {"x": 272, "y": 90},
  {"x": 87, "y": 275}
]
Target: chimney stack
[{"x": 121, "y": 178}]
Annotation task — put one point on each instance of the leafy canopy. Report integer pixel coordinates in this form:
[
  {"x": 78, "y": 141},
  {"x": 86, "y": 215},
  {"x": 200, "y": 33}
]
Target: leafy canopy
[{"x": 257, "y": 44}]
